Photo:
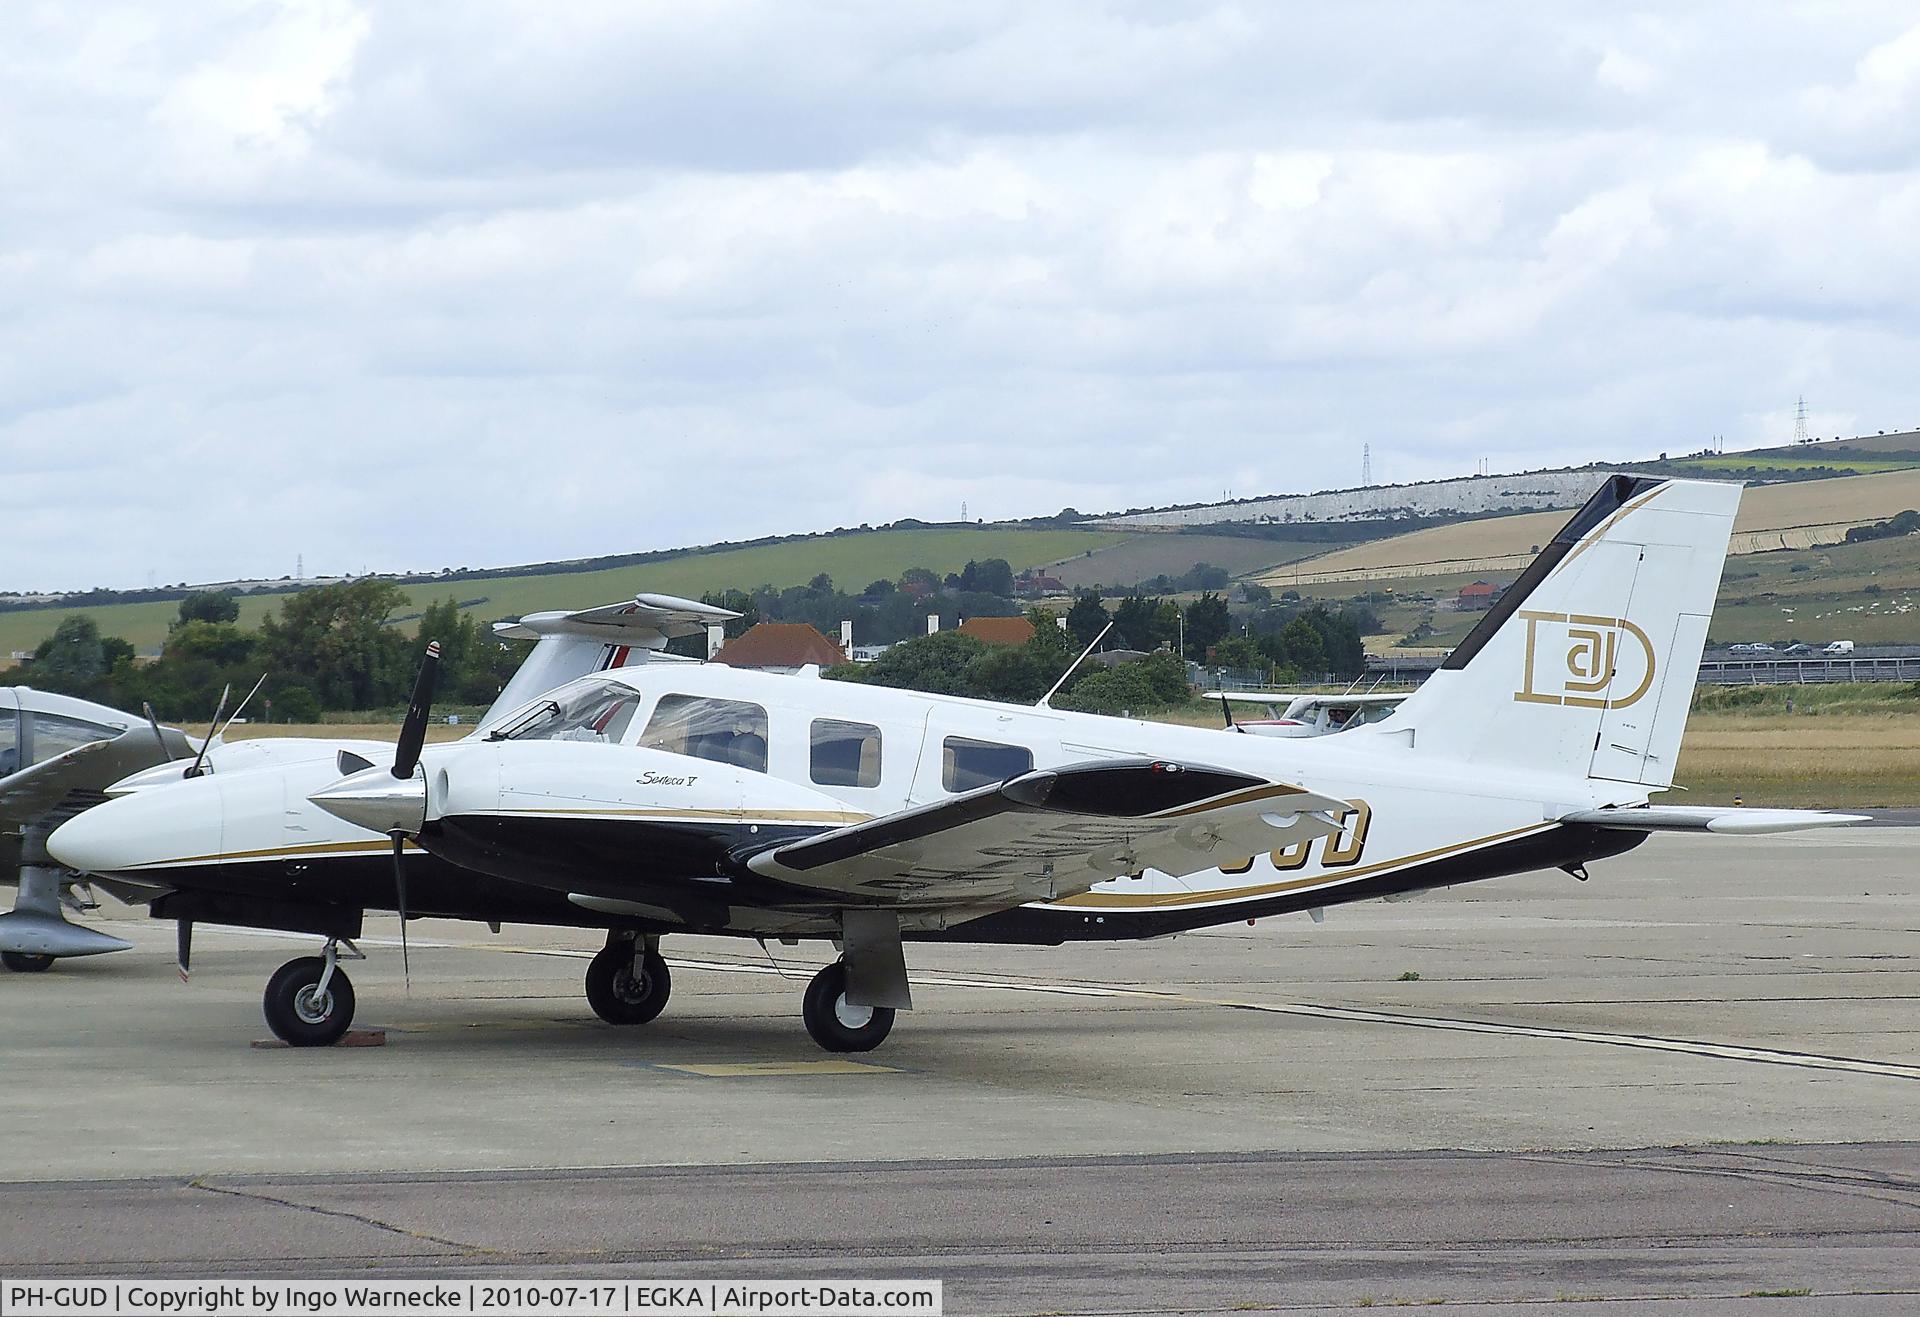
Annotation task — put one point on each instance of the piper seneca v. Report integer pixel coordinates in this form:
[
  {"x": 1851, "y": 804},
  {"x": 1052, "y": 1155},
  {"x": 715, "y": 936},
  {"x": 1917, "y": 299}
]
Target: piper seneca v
[{"x": 673, "y": 798}]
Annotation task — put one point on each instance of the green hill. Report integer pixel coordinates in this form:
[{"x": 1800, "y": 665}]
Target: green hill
[{"x": 852, "y": 559}]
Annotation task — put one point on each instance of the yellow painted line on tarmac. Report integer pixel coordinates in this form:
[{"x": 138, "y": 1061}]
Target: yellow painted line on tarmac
[{"x": 760, "y": 1069}]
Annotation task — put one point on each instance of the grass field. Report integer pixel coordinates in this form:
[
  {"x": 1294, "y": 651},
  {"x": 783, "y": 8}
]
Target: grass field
[
  {"x": 1146, "y": 556},
  {"x": 1837, "y": 461},
  {"x": 852, "y": 560}
]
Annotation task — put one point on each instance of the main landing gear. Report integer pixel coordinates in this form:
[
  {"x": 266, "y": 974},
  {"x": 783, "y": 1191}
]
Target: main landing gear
[
  {"x": 25, "y": 962},
  {"x": 628, "y": 982},
  {"x": 309, "y": 1001},
  {"x": 836, "y": 1024}
]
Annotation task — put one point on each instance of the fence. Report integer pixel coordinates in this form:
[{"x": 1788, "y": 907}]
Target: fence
[{"x": 1802, "y": 672}]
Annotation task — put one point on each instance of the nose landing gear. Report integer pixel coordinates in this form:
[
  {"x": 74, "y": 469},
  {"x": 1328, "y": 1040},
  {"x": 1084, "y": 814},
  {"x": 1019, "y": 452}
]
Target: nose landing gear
[{"x": 309, "y": 1001}]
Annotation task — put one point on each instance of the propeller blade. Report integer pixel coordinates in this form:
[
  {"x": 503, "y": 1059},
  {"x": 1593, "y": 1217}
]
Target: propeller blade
[
  {"x": 413, "y": 730},
  {"x": 194, "y": 769},
  {"x": 241, "y": 707},
  {"x": 400, "y": 900},
  {"x": 158, "y": 735},
  {"x": 184, "y": 957}
]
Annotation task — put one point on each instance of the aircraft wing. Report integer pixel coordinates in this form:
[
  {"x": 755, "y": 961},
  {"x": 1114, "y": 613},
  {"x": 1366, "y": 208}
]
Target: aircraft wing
[
  {"x": 33, "y": 791},
  {"x": 1053, "y": 833}
]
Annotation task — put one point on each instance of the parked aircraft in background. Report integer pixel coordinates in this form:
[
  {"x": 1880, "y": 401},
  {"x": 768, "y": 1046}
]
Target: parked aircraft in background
[
  {"x": 1290, "y": 713},
  {"x": 58, "y": 755},
  {"x": 693, "y": 798}
]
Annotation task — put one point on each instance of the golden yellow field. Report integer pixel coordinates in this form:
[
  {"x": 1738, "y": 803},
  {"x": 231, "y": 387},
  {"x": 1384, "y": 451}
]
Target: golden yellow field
[
  {"x": 1801, "y": 760},
  {"x": 1848, "y": 499},
  {"x": 436, "y": 732}
]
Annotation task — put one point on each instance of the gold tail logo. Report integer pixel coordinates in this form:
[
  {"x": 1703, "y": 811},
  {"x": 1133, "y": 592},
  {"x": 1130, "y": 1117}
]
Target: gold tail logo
[{"x": 1577, "y": 660}]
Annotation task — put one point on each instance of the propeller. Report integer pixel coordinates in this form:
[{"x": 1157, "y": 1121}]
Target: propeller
[
  {"x": 158, "y": 735},
  {"x": 413, "y": 728},
  {"x": 194, "y": 769},
  {"x": 406, "y": 758}
]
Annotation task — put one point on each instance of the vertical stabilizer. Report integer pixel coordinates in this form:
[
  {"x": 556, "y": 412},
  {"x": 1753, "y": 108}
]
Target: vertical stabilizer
[{"x": 1586, "y": 665}]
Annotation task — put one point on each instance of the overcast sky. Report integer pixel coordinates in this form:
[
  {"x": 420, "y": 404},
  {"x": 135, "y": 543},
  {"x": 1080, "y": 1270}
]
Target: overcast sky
[{"x": 407, "y": 286}]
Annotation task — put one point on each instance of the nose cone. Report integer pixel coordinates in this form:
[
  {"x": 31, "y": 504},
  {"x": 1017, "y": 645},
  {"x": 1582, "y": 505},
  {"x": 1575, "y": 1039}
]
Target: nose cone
[
  {"x": 377, "y": 801},
  {"x": 179, "y": 823}
]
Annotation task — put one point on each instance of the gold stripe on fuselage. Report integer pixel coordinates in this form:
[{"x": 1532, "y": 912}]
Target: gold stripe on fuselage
[
  {"x": 690, "y": 815},
  {"x": 1120, "y": 901}
]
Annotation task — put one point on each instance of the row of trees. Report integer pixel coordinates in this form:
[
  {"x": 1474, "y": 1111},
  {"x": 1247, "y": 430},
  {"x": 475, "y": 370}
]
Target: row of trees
[
  {"x": 330, "y": 647},
  {"x": 333, "y": 647},
  {"x": 954, "y": 663}
]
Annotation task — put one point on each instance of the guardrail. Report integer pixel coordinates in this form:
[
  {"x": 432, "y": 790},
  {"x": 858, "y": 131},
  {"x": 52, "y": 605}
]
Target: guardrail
[
  {"x": 1808, "y": 671},
  {"x": 1717, "y": 672}
]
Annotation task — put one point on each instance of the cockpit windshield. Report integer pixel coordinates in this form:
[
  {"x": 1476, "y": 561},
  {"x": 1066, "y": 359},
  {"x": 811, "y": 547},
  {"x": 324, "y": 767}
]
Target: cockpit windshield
[{"x": 590, "y": 709}]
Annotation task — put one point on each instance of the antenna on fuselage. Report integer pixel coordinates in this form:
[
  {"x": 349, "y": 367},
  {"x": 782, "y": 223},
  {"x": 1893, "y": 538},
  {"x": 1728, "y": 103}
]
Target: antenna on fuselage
[{"x": 1041, "y": 703}]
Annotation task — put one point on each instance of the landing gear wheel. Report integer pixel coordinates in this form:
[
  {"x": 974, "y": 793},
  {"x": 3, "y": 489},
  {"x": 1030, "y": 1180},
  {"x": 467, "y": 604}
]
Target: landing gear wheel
[
  {"x": 838, "y": 1025},
  {"x": 299, "y": 1015},
  {"x": 25, "y": 962},
  {"x": 627, "y": 988}
]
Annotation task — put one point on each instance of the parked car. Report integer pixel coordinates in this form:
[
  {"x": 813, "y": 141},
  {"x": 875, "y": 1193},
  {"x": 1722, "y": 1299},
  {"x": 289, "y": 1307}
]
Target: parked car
[
  {"x": 1839, "y": 647},
  {"x": 1754, "y": 647},
  {"x": 1798, "y": 647}
]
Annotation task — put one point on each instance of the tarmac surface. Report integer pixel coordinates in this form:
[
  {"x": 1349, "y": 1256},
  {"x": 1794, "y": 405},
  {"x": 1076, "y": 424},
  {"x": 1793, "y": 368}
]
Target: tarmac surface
[{"x": 1694, "y": 1079}]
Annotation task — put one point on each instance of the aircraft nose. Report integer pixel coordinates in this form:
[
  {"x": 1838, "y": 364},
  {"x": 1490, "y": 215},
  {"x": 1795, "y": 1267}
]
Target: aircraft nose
[{"x": 162, "y": 825}]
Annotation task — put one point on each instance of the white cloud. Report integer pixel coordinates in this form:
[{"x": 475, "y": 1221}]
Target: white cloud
[{"x": 386, "y": 286}]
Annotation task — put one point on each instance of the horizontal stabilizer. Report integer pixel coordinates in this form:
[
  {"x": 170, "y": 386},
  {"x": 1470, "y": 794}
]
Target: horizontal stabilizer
[
  {"x": 1732, "y": 820},
  {"x": 663, "y": 615}
]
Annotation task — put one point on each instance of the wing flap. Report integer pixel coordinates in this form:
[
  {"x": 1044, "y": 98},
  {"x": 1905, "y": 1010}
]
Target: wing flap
[{"x": 1054, "y": 833}]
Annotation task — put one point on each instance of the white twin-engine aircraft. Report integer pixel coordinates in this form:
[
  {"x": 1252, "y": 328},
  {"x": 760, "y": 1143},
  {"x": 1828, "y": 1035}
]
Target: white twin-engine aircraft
[{"x": 688, "y": 798}]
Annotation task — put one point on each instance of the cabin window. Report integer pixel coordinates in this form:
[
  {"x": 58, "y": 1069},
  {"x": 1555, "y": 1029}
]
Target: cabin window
[
  {"x": 723, "y": 731},
  {"x": 9, "y": 742},
  {"x": 54, "y": 735},
  {"x": 966, "y": 764},
  {"x": 845, "y": 754},
  {"x": 591, "y": 709}
]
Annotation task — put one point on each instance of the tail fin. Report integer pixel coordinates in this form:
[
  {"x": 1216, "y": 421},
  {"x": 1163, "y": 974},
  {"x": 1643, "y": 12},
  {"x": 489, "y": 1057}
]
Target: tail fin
[
  {"x": 1585, "y": 667},
  {"x": 569, "y": 645}
]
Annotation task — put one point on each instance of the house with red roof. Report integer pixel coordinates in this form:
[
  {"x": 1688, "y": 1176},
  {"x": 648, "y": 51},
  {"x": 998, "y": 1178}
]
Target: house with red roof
[
  {"x": 998, "y": 630},
  {"x": 780, "y": 647}
]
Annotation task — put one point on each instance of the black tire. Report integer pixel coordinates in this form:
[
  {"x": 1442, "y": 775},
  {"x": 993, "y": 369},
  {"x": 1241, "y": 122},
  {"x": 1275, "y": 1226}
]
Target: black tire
[
  {"x": 624, "y": 988},
  {"x": 295, "y": 1018},
  {"x": 837, "y": 1026},
  {"x": 26, "y": 962}
]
